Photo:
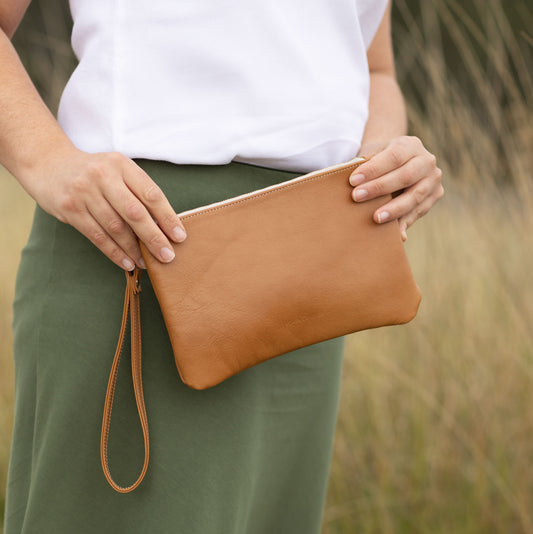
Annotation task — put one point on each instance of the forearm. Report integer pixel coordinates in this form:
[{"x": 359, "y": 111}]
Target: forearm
[
  {"x": 399, "y": 162},
  {"x": 387, "y": 117},
  {"x": 106, "y": 196},
  {"x": 29, "y": 133}
]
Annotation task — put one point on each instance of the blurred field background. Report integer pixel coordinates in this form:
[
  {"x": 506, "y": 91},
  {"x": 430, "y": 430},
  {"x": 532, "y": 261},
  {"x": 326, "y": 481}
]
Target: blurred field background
[{"x": 435, "y": 430}]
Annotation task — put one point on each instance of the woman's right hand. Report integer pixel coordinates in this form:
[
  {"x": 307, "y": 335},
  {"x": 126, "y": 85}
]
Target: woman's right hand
[
  {"x": 110, "y": 200},
  {"x": 106, "y": 196}
]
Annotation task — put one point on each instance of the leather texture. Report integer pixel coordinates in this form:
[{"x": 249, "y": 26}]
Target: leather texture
[
  {"x": 264, "y": 274},
  {"x": 279, "y": 269},
  {"x": 131, "y": 304}
]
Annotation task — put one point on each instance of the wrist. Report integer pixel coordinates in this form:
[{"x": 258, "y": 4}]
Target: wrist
[
  {"x": 370, "y": 148},
  {"x": 36, "y": 171},
  {"x": 36, "y": 162}
]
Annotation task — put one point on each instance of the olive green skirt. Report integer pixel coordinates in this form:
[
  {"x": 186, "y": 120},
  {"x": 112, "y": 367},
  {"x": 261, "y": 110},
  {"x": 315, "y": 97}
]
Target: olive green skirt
[{"x": 250, "y": 456}]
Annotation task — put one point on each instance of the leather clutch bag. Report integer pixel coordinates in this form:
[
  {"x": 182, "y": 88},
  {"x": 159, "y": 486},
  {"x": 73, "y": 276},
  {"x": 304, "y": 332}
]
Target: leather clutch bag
[{"x": 274, "y": 270}]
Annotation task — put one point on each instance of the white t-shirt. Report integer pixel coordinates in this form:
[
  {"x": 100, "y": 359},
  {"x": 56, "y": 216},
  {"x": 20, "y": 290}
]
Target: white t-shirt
[{"x": 278, "y": 83}]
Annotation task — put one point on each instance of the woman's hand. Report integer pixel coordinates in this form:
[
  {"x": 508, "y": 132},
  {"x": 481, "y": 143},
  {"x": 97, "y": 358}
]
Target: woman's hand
[
  {"x": 403, "y": 164},
  {"x": 110, "y": 200},
  {"x": 107, "y": 197}
]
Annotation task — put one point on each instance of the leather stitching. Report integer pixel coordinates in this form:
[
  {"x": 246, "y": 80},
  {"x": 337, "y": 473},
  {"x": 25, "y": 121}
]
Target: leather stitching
[{"x": 276, "y": 190}]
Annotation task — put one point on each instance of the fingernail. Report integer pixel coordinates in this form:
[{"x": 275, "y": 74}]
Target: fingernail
[
  {"x": 383, "y": 216},
  {"x": 179, "y": 234},
  {"x": 128, "y": 264},
  {"x": 356, "y": 179},
  {"x": 404, "y": 235},
  {"x": 141, "y": 263},
  {"x": 167, "y": 254},
  {"x": 360, "y": 194}
]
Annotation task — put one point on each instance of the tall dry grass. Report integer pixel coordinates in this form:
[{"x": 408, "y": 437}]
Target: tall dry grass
[
  {"x": 15, "y": 219},
  {"x": 435, "y": 432}
]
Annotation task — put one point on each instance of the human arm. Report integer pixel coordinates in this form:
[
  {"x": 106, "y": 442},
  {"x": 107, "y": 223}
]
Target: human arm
[
  {"x": 106, "y": 196},
  {"x": 399, "y": 162}
]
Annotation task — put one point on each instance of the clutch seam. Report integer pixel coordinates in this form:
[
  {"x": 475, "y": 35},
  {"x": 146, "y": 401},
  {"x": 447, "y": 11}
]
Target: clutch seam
[{"x": 264, "y": 193}]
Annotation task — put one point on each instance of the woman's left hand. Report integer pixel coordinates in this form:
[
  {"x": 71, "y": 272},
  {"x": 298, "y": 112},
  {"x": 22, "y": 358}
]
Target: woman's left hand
[{"x": 401, "y": 165}]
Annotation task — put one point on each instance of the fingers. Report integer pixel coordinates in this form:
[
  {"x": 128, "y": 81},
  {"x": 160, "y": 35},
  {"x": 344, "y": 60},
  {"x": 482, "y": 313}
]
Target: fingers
[
  {"x": 90, "y": 228},
  {"x": 112, "y": 201},
  {"x": 138, "y": 218},
  {"x": 403, "y": 165},
  {"x": 138, "y": 200},
  {"x": 117, "y": 231},
  {"x": 407, "y": 220},
  {"x": 151, "y": 196},
  {"x": 411, "y": 199},
  {"x": 392, "y": 169},
  {"x": 419, "y": 209},
  {"x": 414, "y": 170},
  {"x": 394, "y": 155}
]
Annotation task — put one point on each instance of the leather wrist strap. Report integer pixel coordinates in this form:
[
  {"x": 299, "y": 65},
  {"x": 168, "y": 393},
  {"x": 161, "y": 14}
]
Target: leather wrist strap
[{"x": 131, "y": 304}]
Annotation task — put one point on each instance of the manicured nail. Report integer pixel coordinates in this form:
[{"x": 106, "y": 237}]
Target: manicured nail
[
  {"x": 167, "y": 254},
  {"x": 179, "y": 234},
  {"x": 141, "y": 263},
  {"x": 383, "y": 216},
  {"x": 128, "y": 264},
  {"x": 360, "y": 194},
  {"x": 357, "y": 179}
]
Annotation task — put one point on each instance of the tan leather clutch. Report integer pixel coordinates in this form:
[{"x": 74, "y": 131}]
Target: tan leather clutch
[{"x": 271, "y": 271}]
